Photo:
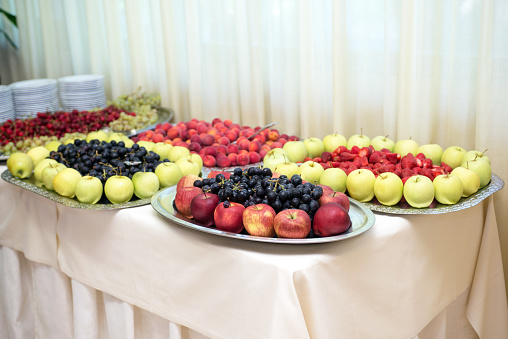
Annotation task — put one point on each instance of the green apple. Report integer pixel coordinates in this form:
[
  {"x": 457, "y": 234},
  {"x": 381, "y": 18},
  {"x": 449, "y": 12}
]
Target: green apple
[
  {"x": 20, "y": 165},
  {"x": 116, "y": 137},
  {"x": 277, "y": 151},
  {"x": 432, "y": 151},
  {"x": 64, "y": 183},
  {"x": 41, "y": 166},
  {"x": 296, "y": 150},
  {"x": 53, "y": 145},
  {"x": 188, "y": 165},
  {"x": 69, "y": 141},
  {"x": 286, "y": 168},
  {"x": 332, "y": 141},
  {"x": 49, "y": 173},
  {"x": 315, "y": 147},
  {"x": 168, "y": 173},
  {"x": 145, "y": 184},
  {"x": 97, "y": 135},
  {"x": 404, "y": 147},
  {"x": 381, "y": 142},
  {"x": 452, "y": 156},
  {"x": 419, "y": 191},
  {"x": 359, "y": 140},
  {"x": 471, "y": 155},
  {"x": 162, "y": 149},
  {"x": 177, "y": 152},
  {"x": 38, "y": 153},
  {"x": 360, "y": 184},
  {"x": 388, "y": 188},
  {"x": 119, "y": 189},
  {"x": 335, "y": 178},
  {"x": 481, "y": 167},
  {"x": 271, "y": 159},
  {"x": 127, "y": 141},
  {"x": 448, "y": 189},
  {"x": 89, "y": 189},
  {"x": 310, "y": 171},
  {"x": 197, "y": 158},
  {"x": 470, "y": 180}
]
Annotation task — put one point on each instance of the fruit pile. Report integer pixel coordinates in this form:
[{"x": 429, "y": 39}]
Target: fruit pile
[
  {"x": 256, "y": 202},
  {"x": 142, "y": 104},
  {"x": 220, "y": 143}
]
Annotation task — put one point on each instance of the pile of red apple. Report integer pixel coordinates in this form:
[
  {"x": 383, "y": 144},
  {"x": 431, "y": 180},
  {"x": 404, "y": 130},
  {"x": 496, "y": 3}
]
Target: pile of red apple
[{"x": 221, "y": 143}]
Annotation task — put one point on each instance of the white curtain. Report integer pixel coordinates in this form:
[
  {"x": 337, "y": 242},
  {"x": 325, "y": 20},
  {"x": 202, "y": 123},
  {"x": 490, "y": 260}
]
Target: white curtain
[{"x": 435, "y": 71}]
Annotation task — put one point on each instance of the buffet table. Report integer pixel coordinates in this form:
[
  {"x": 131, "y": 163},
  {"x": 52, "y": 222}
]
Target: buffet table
[{"x": 131, "y": 273}]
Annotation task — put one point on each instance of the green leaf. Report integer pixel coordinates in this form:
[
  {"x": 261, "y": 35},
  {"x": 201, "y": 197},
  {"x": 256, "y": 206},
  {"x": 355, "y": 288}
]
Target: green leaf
[
  {"x": 8, "y": 38},
  {"x": 10, "y": 16}
]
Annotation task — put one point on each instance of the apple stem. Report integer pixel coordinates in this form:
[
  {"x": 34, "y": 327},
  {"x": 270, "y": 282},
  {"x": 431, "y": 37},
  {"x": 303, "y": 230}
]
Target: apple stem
[
  {"x": 386, "y": 136},
  {"x": 485, "y": 151},
  {"x": 361, "y": 130}
]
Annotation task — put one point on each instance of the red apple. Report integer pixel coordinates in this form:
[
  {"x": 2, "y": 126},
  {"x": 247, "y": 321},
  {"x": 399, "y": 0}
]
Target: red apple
[
  {"x": 337, "y": 197},
  {"x": 331, "y": 219},
  {"x": 292, "y": 223},
  {"x": 228, "y": 217},
  {"x": 187, "y": 181},
  {"x": 203, "y": 207},
  {"x": 183, "y": 199},
  {"x": 326, "y": 189},
  {"x": 258, "y": 220}
]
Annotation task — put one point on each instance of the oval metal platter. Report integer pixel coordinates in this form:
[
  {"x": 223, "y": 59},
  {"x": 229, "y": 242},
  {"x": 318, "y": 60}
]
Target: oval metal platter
[{"x": 362, "y": 219}]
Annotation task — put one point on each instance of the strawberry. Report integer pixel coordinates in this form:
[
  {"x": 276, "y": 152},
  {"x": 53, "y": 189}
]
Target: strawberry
[
  {"x": 407, "y": 161},
  {"x": 377, "y": 165},
  {"x": 336, "y": 158},
  {"x": 428, "y": 173},
  {"x": 364, "y": 160},
  {"x": 419, "y": 163},
  {"x": 326, "y": 156},
  {"x": 398, "y": 173},
  {"x": 406, "y": 172},
  {"x": 334, "y": 164},
  {"x": 447, "y": 169},
  {"x": 390, "y": 167},
  {"x": 317, "y": 159},
  {"x": 421, "y": 156},
  {"x": 427, "y": 163},
  {"x": 365, "y": 152},
  {"x": 346, "y": 156},
  {"x": 393, "y": 157},
  {"x": 417, "y": 170},
  {"x": 404, "y": 179},
  {"x": 325, "y": 165},
  {"x": 385, "y": 150},
  {"x": 307, "y": 159},
  {"x": 375, "y": 157},
  {"x": 398, "y": 167},
  {"x": 357, "y": 162},
  {"x": 341, "y": 149},
  {"x": 355, "y": 149}
]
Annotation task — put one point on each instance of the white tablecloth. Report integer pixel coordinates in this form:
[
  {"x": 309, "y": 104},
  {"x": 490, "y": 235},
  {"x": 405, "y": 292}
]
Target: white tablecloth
[{"x": 393, "y": 281}]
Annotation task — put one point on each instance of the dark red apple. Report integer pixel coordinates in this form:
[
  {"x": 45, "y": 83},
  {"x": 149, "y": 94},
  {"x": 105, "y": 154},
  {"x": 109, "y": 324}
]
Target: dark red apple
[
  {"x": 183, "y": 199},
  {"x": 203, "y": 207},
  {"x": 331, "y": 219},
  {"x": 337, "y": 197},
  {"x": 292, "y": 223},
  {"x": 258, "y": 220},
  {"x": 326, "y": 189},
  {"x": 228, "y": 216}
]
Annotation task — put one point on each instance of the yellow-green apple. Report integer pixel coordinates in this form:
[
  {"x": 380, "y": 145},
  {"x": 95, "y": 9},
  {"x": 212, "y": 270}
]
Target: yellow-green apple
[
  {"x": 119, "y": 189},
  {"x": 127, "y": 141},
  {"x": 335, "y": 178},
  {"x": 381, "y": 142},
  {"x": 168, "y": 174},
  {"x": 188, "y": 165},
  {"x": 97, "y": 135},
  {"x": 432, "y": 151},
  {"x": 20, "y": 165},
  {"x": 177, "y": 152},
  {"x": 475, "y": 154},
  {"x": 332, "y": 141},
  {"x": 38, "y": 153},
  {"x": 203, "y": 207},
  {"x": 336, "y": 197},
  {"x": 197, "y": 158},
  {"x": 359, "y": 140},
  {"x": 162, "y": 149},
  {"x": 452, "y": 156},
  {"x": 52, "y": 145},
  {"x": 49, "y": 173},
  {"x": 360, "y": 184},
  {"x": 187, "y": 181},
  {"x": 118, "y": 137},
  {"x": 272, "y": 159},
  {"x": 310, "y": 171},
  {"x": 331, "y": 219},
  {"x": 228, "y": 217},
  {"x": 183, "y": 200},
  {"x": 296, "y": 150},
  {"x": 419, "y": 191},
  {"x": 145, "y": 184},
  {"x": 315, "y": 147},
  {"x": 287, "y": 168},
  {"x": 64, "y": 183},
  {"x": 481, "y": 167},
  {"x": 40, "y": 167},
  {"x": 448, "y": 189},
  {"x": 258, "y": 220},
  {"x": 292, "y": 223},
  {"x": 388, "y": 188},
  {"x": 404, "y": 147},
  {"x": 89, "y": 189},
  {"x": 470, "y": 180}
]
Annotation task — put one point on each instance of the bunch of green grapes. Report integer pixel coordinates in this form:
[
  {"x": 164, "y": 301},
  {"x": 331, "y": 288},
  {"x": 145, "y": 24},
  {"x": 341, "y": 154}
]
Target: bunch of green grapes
[
  {"x": 135, "y": 100},
  {"x": 26, "y": 144}
]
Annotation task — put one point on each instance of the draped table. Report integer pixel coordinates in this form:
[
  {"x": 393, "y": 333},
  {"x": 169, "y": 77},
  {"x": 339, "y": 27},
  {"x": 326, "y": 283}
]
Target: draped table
[{"x": 130, "y": 273}]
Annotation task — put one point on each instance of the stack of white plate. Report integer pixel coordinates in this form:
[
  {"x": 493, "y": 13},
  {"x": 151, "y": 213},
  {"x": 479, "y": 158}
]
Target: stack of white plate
[
  {"x": 34, "y": 96},
  {"x": 6, "y": 104},
  {"x": 82, "y": 92}
]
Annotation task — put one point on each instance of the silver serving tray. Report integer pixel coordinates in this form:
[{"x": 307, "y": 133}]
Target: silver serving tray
[
  {"x": 496, "y": 184},
  {"x": 30, "y": 185},
  {"x": 362, "y": 220}
]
